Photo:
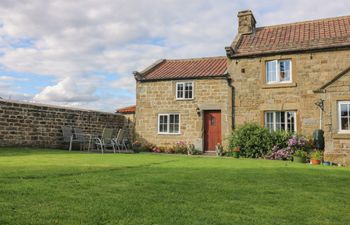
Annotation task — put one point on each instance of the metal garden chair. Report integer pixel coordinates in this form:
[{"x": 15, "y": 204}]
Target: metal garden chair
[{"x": 106, "y": 141}]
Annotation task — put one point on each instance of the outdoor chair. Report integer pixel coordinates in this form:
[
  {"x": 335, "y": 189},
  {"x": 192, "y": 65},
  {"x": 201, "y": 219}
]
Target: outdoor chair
[
  {"x": 69, "y": 137},
  {"x": 106, "y": 141},
  {"x": 82, "y": 138},
  {"x": 120, "y": 141}
]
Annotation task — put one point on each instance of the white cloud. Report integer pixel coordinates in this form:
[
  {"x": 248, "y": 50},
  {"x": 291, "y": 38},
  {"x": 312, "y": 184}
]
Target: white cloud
[
  {"x": 70, "y": 91},
  {"x": 75, "y": 40}
]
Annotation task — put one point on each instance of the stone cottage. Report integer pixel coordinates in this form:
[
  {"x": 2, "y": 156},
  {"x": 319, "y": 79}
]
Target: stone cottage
[
  {"x": 184, "y": 100},
  {"x": 292, "y": 77}
]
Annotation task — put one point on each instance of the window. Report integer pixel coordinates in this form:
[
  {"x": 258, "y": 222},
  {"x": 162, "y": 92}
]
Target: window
[
  {"x": 184, "y": 90},
  {"x": 344, "y": 116},
  {"x": 278, "y": 71},
  {"x": 281, "y": 120},
  {"x": 169, "y": 124}
]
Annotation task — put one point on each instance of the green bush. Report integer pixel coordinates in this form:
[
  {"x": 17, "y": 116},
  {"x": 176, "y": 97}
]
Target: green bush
[
  {"x": 253, "y": 140},
  {"x": 280, "y": 139}
]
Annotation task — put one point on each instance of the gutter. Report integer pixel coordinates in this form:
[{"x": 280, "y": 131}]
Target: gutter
[{"x": 231, "y": 52}]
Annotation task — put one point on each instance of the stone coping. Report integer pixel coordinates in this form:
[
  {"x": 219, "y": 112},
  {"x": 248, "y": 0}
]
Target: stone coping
[{"x": 36, "y": 104}]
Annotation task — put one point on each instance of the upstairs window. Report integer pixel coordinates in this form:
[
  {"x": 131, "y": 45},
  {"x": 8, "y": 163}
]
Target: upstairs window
[
  {"x": 184, "y": 90},
  {"x": 281, "y": 121},
  {"x": 169, "y": 124},
  {"x": 278, "y": 71},
  {"x": 344, "y": 116}
]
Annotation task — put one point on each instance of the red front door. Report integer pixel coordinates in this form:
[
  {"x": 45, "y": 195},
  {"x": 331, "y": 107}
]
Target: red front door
[{"x": 212, "y": 129}]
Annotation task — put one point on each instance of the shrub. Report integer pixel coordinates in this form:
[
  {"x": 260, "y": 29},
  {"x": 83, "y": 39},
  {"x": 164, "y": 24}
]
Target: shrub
[
  {"x": 142, "y": 147},
  {"x": 300, "y": 153},
  {"x": 280, "y": 139},
  {"x": 192, "y": 150},
  {"x": 180, "y": 147},
  {"x": 280, "y": 154},
  {"x": 254, "y": 141}
]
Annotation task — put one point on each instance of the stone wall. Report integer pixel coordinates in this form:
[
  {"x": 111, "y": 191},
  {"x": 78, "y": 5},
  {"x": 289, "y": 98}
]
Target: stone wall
[
  {"x": 309, "y": 72},
  {"x": 337, "y": 143},
  {"x": 153, "y": 98},
  {"x": 36, "y": 125}
]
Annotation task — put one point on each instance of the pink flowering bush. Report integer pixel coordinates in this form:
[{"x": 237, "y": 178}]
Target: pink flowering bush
[{"x": 294, "y": 143}]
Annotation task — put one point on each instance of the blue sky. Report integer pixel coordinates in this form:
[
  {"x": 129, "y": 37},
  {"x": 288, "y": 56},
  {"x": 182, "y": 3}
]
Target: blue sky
[{"x": 82, "y": 53}]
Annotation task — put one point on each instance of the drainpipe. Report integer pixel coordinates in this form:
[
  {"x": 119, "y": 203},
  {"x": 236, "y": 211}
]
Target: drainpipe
[
  {"x": 229, "y": 81},
  {"x": 320, "y": 104}
]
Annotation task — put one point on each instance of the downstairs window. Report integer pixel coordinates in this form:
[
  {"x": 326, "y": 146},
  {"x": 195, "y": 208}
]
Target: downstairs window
[
  {"x": 344, "y": 116},
  {"x": 169, "y": 123},
  {"x": 280, "y": 121}
]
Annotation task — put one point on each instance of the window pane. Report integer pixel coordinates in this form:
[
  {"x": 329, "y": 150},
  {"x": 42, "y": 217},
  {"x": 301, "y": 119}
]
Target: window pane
[
  {"x": 291, "y": 121},
  {"x": 188, "y": 90},
  {"x": 163, "y": 123},
  {"x": 284, "y": 70},
  {"x": 173, "y": 123},
  {"x": 269, "y": 120},
  {"x": 180, "y": 90},
  {"x": 271, "y": 71},
  {"x": 171, "y": 128},
  {"x": 172, "y": 118},
  {"x": 279, "y": 120},
  {"x": 344, "y": 110},
  {"x": 345, "y": 123}
]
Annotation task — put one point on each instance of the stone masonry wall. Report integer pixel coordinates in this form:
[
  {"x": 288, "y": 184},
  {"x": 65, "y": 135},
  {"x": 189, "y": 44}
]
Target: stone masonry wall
[
  {"x": 35, "y": 125},
  {"x": 153, "y": 98},
  {"x": 310, "y": 72},
  {"x": 337, "y": 143}
]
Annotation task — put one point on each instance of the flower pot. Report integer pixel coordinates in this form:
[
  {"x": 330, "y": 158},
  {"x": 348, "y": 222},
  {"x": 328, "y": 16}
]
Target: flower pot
[
  {"x": 315, "y": 161},
  {"x": 236, "y": 154},
  {"x": 299, "y": 159},
  {"x": 326, "y": 163}
]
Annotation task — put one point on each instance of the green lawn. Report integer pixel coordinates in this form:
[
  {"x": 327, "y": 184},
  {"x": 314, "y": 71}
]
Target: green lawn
[{"x": 58, "y": 187}]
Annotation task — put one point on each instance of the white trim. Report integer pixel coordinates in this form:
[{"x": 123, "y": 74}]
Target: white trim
[
  {"x": 339, "y": 116},
  {"x": 183, "y": 91},
  {"x": 168, "y": 123},
  {"x": 277, "y": 69}
]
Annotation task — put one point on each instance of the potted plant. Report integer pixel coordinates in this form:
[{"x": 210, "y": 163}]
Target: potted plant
[
  {"x": 316, "y": 157},
  {"x": 236, "y": 152},
  {"x": 299, "y": 156}
]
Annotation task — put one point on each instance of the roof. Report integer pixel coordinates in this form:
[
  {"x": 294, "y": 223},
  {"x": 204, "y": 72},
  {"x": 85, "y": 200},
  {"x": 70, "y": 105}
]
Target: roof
[
  {"x": 127, "y": 110},
  {"x": 168, "y": 69},
  {"x": 308, "y": 35},
  {"x": 338, "y": 76}
]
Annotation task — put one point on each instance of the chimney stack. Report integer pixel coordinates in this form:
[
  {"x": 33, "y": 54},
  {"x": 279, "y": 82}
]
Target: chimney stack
[{"x": 246, "y": 22}]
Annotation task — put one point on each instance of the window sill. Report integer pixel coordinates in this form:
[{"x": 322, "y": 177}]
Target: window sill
[
  {"x": 184, "y": 99},
  {"x": 169, "y": 134},
  {"x": 280, "y": 85},
  {"x": 341, "y": 136}
]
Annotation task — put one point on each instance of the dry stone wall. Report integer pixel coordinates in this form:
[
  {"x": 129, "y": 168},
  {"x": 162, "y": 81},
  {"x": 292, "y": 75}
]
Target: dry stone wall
[{"x": 35, "y": 125}]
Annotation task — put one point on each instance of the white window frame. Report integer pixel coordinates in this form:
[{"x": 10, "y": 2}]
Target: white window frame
[
  {"x": 183, "y": 91},
  {"x": 285, "y": 122},
  {"x": 278, "y": 81},
  {"x": 168, "y": 123},
  {"x": 340, "y": 130}
]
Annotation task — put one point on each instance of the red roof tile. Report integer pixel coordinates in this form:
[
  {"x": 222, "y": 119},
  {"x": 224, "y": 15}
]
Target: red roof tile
[
  {"x": 186, "y": 68},
  {"x": 324, "y": 33},
  {"x": 130, "y": 109}
]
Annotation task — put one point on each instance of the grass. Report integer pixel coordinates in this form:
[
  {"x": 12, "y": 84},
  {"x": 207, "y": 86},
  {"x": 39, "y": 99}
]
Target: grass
[{"x": 58, "y": 187}]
